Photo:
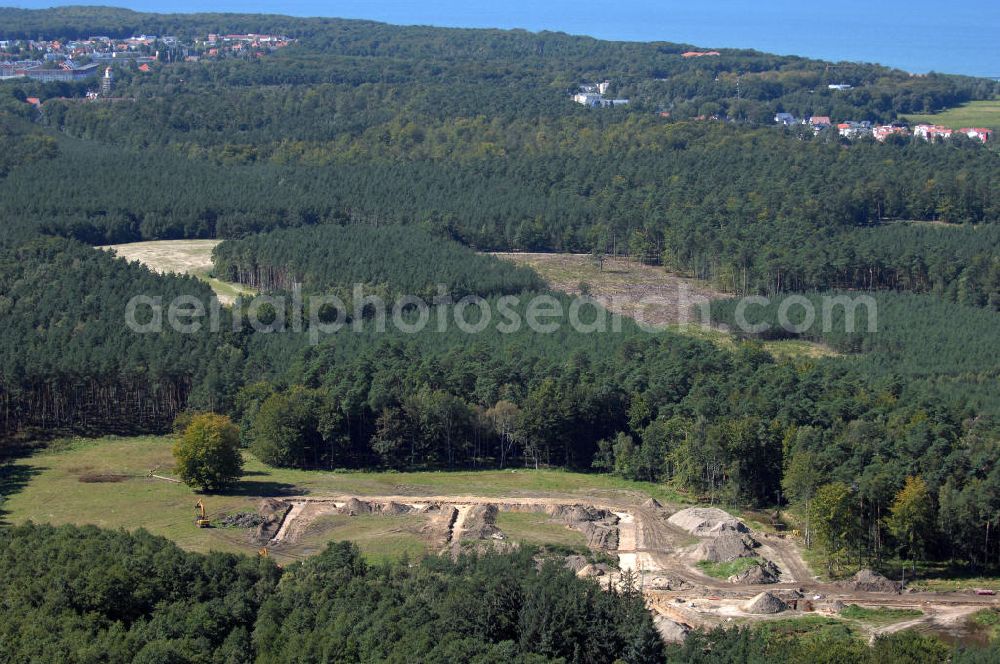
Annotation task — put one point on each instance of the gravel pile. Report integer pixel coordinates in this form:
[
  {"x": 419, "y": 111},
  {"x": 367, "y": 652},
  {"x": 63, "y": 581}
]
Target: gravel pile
[
  {"x": 765, "y": 572},
  {"x": 728, "y": 546},
  {"x": 764, "y": 604},
  {"x": 707, "y": 522},
  {"x": 872, "y": 582}
]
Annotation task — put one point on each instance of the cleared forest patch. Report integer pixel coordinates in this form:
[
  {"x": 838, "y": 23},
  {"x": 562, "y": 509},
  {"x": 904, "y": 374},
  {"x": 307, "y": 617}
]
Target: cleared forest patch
[
  {"x": 650, "y": 294},
  {"x": 643, "y": 292},
  {"x": 192, "y": 257}
]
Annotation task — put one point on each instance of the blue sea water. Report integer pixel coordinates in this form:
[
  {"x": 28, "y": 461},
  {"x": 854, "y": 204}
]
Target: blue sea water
[{"x": 961, "y": 37}]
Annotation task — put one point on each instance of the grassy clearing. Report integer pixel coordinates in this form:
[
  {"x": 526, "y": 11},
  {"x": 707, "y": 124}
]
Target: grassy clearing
[
  {"x": 785, "y": 349},
  {"x": 974, "y": 114},
  {"x": 651, "y": 293},
  {"x": 192, "y": 257},
  {"x": 626, "y": 287},
  {"x": 882, "y": 615},
  {"x": 945, "y": 583},
  {"x": 987, "y": 621},
  {"x": 380, "y": 537},
  {"x": 537, "y": 528},
  {"x": 790, "y": 629},
  {"x": 728, "y": 569},
  {"x": 54, "y": 493}
]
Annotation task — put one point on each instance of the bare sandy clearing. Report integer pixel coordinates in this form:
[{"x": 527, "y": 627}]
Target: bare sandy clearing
[
  {"x": 166, "y": 256},
  {"x": 643, "y": 292},
  {"x": 192, "y": 257}
]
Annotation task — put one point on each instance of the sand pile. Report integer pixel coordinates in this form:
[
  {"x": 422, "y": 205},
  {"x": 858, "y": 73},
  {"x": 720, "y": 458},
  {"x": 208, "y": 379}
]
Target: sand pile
[
  {"x": 707, "y": 522},
  {"x": 354, "y": 507},
  {"x": 868, "y": 581},
  {"x": 652, "y": 504},
  {"x": 765, "y": 603},
  {"x": 728, "y": 546}
]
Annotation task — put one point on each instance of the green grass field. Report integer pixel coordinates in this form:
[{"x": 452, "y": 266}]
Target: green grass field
[
  {"x": 53, "y": 492},
  {"x": 727, "y": 569},
  {"x": 537, "y": 528},
  {"x": 378, "y": 537},
  {"x": 974, "y": 114},
  {"x": 880, "y": 616}
]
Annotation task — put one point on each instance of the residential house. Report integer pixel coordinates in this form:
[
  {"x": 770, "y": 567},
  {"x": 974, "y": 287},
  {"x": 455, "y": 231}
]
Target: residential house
[
  {"x": 852, "y": 129},
  {"x": 932, "y": 132},
  {"x": 883, "y": 132},
  {"x": 982, "y": 135},
  {"x": 786, "y": 119},
  {"x": 820, "y": 122}
]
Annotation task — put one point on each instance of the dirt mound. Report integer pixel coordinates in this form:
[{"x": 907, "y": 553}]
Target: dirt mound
[
  {"x": 97, "y": 478},
  {"x": 393, "y": 508},
  {"x": 652, "y": 504},
  {"x": 439, "y": 523},
  {"x": 872, "y": 582},
  {"x": 599, "y": 526},
  {"x": 481, "y": 523},
  {"x": 599, "y": 535},
  {"x": 765, "y": 603},
  {"x": 572, "y": 514},
  {"x": 354, "y": 507},
  {"x": 765, "y": 572},
  {"x": 728, "y": 546},
  {"x": 241, "y": 520},
  {"x": 707, "y": 522},
  {"x": 272, "y": 513},
  {"x": 589, "y": 571},
  {"x": 670, "y": 631},
  {"x": 575, "y": 562}
]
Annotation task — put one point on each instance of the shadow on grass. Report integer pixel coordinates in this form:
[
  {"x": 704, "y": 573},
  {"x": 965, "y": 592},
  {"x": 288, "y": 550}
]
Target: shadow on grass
[
  {"x": 254, "y": 489},
  {"x": 13, "y": 478}
]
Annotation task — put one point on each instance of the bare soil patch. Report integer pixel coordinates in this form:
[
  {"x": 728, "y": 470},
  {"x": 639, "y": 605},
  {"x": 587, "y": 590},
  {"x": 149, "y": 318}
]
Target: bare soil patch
[
  {"x": 646, "y": 293},
  {"x": 101, "y": 478}
]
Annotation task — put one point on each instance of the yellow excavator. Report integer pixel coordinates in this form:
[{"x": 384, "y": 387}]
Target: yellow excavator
[{"x": 202, "y": 521}]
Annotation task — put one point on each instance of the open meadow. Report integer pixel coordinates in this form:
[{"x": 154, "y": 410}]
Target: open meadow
[
  {"x": 106, "y": 482},
  {"x": 974, "y": 114}
]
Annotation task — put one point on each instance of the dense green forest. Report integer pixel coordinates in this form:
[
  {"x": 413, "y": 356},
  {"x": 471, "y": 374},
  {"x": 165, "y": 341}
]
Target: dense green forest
[
  {"x": 68, "y": 358},
  {"x": 370, "y": 153},
  {"x": 88, "y": 595},
  {"x": 395, "y": 261},
  {"x": 374, "y": 124}
]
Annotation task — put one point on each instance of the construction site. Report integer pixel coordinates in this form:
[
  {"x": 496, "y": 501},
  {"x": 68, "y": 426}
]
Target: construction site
[{"x": 673, "y": 555}]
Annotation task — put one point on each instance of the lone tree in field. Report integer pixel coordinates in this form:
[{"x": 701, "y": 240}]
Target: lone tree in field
[{"x": 207, "y": 453}]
